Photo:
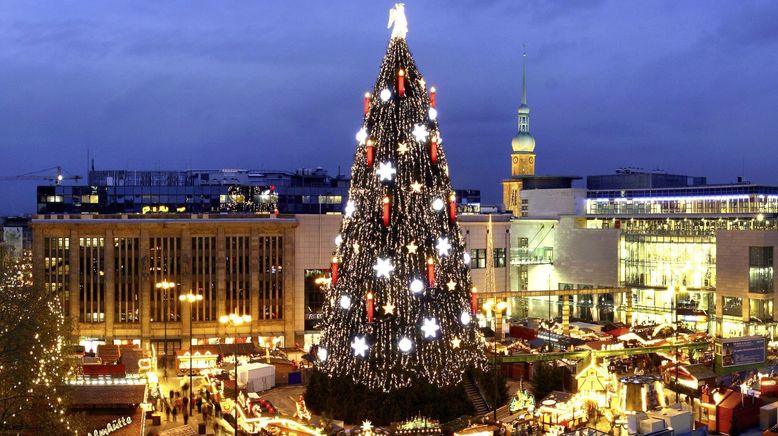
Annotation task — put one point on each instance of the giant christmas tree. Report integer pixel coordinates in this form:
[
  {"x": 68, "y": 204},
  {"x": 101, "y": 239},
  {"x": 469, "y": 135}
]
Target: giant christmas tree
[{"x": 399, "y": 310}]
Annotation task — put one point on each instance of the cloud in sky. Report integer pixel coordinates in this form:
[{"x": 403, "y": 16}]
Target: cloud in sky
[{"x": 687, "y": 87}]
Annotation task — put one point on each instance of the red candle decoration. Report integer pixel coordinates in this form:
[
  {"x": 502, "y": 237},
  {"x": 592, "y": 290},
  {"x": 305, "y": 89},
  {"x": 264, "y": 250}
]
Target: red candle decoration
[
  {"x": 387, "y": 210},
  {"x": 334, "y": 269},
  {"x": 369, "y": 306},
  {"x": 431, "y": 272},
  {"x": 452, "y": 207},
  {"x": 401, "y": 83},
  {"x": 433, "y": 97},
  {"x": 434, "y": 147},
  {"x": 367, "y": 102},
  {"x": 474, "y": 300},
  {"x": 275, "y": 212},
  {"x": 370, "y": 152}
]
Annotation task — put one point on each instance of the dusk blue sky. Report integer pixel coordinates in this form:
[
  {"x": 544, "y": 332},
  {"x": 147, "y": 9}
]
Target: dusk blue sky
[{"x": 688, "y": 87}]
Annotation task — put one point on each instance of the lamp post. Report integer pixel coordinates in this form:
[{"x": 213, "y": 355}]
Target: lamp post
[
  {"x": 191, "y": 299},
  {"x": 498, "y": 310},
  {"x": 235, "y": 320},
  {"x": 165, "y": 285}
]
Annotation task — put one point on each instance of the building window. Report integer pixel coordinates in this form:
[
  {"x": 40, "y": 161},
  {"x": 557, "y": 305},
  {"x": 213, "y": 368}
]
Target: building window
[
  {"x": 477, "y": 258},
  {"x": 271, "y": 277},
  {"x": 165, "y": 265},
  {"x": 317, "y": 281},
  {"x": 57, "y": 269},
  {"x": 499, "y": 257},
  {"x": 760, "y": 269},
  {"x": 91, "y": 275},
  {"x": 127, "y": 279},
  {"x": 733, "y": 306},
  {"x": 238, "y": 275},
  {"x": 761, "y": 310},
  {"x": 204, "y": 277}
]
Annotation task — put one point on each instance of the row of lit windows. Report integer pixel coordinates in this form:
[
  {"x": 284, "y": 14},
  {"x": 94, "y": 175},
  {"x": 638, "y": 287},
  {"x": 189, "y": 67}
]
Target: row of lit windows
[
  {"x": 132, "y": 270},
  {"x": 681, "y": 205}
]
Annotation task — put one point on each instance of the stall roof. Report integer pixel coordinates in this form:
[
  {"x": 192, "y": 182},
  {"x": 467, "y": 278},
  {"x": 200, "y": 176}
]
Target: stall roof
[
  {"x": 699, "y": 371},
  {"x": 227, "y": 349},
  {"x": 106, "y": 395}
]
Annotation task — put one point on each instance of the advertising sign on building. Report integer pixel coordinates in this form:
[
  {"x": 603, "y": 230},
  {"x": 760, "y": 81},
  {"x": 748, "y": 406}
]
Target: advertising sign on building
[{"x": 742, "y": 351}]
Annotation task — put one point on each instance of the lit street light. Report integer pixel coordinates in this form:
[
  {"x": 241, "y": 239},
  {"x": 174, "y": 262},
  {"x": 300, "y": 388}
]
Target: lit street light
[
  {"x": 235, "y": 321},
  {"x": 191, "y": 299},
  {"x": 498, "y": 309},
  {"x": 165, "y": 285}
]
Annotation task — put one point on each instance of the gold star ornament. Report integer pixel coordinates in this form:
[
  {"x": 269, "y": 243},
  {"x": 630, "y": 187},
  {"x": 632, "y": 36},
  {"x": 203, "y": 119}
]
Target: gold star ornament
[
  {"x": 416, "y": 186},
  {"x": 423, "y": 83},
  {"x": 402, "y": 148},
  {"x": 451, "y": 285},
  {"x": 456, "y": 342},
  {"x": 388, "y": 308},
  {"x": 356, "y": 248},
  {"x": 412, "y": 247}
]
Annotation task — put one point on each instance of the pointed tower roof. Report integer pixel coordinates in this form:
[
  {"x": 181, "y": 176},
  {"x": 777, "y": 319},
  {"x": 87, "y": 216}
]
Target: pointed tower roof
[
  {"x": 524, "y": 108},
  {"x": 523, "y": 141}
]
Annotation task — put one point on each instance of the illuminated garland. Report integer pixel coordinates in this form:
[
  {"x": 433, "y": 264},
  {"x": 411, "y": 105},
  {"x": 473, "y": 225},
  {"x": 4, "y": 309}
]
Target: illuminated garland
[
  {"x": 32, "y": 362},
  {"x": 398, "y": 309}
]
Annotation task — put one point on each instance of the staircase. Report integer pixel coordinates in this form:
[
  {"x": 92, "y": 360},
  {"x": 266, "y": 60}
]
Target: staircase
[{"x": 479, "y": 403}]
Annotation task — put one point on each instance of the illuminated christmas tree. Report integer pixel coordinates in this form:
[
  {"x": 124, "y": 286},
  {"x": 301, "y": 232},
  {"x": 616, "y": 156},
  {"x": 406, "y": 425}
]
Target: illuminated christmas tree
[
  {"x": 399, "y": 310},
  {"x": 33, "y": 365}
]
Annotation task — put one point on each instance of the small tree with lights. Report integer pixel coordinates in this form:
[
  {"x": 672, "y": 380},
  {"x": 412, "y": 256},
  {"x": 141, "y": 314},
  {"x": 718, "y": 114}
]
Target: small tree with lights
[
  {"x": 397, "y": 330},
  {"x": 33, "y": 364}
]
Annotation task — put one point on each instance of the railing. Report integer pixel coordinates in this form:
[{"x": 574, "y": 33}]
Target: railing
[{"x": 527, "y": 256}]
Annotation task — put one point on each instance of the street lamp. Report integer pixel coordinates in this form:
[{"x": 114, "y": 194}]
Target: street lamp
[
  {"x": 191, "y": 299},
  {"x": 165, "y": 285},
  {"x": 235, "y": 321},
  {"x": 498, "y": 310}
]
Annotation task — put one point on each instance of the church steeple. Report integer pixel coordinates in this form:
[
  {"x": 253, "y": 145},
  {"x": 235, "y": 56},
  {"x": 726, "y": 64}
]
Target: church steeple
[
  {"x": 523, "y": 156},
  {"x": 523, "y": 141},
  {"x": 524, "y": 80}
]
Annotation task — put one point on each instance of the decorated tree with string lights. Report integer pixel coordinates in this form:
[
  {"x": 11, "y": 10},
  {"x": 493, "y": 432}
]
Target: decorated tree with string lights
[
  {"x": 33, "y": 365},
  {"x": 399, "y": 309}
]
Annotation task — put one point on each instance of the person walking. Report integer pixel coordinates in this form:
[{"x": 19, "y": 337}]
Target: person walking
[
  {"x": 167, "y": 411},
  {"x": 175, "y": 414}
]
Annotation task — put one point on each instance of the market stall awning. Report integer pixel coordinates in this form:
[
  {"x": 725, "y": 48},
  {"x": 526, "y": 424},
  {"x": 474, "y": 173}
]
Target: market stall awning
[
  {"x": 90, "y": 396},
  {"x": 242, "y": 349}
]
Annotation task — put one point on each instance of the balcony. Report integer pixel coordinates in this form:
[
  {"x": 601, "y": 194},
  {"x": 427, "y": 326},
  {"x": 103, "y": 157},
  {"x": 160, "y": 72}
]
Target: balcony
[{"x": 537, "y": 256}]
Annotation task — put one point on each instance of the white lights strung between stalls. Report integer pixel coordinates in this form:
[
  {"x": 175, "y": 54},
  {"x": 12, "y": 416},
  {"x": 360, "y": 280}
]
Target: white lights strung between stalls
[
  {"x": 345, "y": 302},
  {"x": 465, "y": 318},
  {"x": 385, "y": 95},
  {"x": 383, "y": 267},
  {"x": 322, "y": 354},
  {"x": 360, "y": 346},
  {"x": 438, "y": 204},
  {"x": 417, "y": 286},
  {"x": 430, "y": 327},
  {"x": 420, "y": 132},
  {"x": 362, "y": 135},
  {"x": 386, "y": 171},
  {"x": 405, "y": 344},
  {"x": 350, "y": 207},
  {"x": 443, "y": 246}
]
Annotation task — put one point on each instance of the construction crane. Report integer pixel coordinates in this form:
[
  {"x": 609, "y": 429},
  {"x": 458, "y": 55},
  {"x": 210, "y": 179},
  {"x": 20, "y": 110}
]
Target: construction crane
[{"x": 57, "y": 178}]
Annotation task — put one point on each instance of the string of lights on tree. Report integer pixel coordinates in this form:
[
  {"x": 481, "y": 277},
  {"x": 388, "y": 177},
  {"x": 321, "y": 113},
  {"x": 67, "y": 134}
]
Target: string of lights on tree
[
  {"x": 399, "y": 306},
  {"x": 33, "y": 366}
]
